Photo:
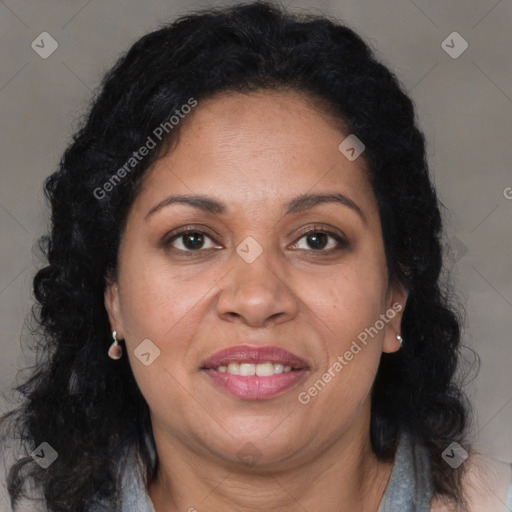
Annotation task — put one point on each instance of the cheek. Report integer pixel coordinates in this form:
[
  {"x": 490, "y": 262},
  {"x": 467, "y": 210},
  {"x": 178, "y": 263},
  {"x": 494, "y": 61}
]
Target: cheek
[
  {"x": 165, "y": 306},
  {"x": 345, "y": 305},
  {"x": 342, "y": 315},
  {"x": 348, "y": 300},
  {"x": 159, "y": 301}
]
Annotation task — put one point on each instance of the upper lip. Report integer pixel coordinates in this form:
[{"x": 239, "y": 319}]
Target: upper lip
[{"x": 252, "y": 354}]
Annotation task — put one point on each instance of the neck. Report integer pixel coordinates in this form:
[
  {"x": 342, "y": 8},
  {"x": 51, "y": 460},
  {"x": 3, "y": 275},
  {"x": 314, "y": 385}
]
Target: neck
[{"x": 346, "y": 476}]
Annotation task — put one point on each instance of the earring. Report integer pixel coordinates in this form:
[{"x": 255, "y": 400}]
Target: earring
[
  {"x": 400, "y": 339},
  {"x": 115, "y": 351}
]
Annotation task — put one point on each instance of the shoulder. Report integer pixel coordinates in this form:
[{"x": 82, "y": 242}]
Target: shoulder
[{"x": 487, "y": 485}]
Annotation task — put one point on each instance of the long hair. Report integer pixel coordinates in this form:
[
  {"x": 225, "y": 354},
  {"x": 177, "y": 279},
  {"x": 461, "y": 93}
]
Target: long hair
[{"x": 88, "y": 407}]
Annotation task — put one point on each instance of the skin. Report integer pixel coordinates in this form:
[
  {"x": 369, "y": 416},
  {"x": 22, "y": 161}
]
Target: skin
[{"x": 255, "y": 153}]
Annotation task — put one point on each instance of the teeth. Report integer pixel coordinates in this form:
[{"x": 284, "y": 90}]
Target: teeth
[
  {"x": 246, "y": 370},
  {"x": 264, "y": 369},
  {"x": 249, "y": 369},
  {"x": 278, "y": 368},
  {"x": 234, "y": 368}
]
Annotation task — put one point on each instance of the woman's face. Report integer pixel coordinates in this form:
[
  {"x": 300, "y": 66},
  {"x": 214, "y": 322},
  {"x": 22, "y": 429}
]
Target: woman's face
[{"x": 248, "y": 290}]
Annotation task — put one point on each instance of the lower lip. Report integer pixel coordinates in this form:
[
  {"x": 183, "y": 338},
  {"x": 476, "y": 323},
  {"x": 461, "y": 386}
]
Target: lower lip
[{"x": 254, "y": 387}]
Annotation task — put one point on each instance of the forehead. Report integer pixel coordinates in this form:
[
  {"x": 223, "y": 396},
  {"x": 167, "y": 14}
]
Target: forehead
[{"x": 261, "y": 147}]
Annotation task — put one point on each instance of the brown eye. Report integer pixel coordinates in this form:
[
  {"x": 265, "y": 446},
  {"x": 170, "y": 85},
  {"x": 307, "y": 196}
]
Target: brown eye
[
  {"x": 193, "y": 240},
  {"x": 317, "y": 240},
  {"x": 321, "y": 240},
  {"x": 190, "y": 241}
]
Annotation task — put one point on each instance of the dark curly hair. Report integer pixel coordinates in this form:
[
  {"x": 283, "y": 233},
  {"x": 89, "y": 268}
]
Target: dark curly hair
[{"x": 89, "y": 407}]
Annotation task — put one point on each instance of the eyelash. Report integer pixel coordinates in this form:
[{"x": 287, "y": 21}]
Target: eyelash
[{"x": 342, "y": 243}]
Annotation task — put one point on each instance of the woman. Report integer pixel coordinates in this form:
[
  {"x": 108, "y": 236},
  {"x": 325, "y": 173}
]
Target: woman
[{"x": 242, "y": 308}]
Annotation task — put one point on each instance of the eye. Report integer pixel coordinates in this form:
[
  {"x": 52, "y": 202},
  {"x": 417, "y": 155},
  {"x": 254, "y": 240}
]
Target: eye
[
  {"x": 318, "y": 240},
  {"x": 190, "y": 240}
]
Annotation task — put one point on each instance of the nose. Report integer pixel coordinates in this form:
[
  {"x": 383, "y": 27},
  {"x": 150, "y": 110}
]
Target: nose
[{"x": 257, "y": 294}]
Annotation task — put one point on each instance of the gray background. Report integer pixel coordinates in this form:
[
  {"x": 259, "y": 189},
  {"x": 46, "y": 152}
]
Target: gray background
[{"x": 464, "y": 106}]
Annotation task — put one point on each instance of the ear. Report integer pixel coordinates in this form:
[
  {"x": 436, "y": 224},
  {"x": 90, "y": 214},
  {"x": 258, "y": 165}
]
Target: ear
[
  {"x": 397, "y": 298},
  {"x": 111, "y": 301}
]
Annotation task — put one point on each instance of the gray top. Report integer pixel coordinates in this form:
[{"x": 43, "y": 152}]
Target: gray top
[{"x": 409, "y": 488}]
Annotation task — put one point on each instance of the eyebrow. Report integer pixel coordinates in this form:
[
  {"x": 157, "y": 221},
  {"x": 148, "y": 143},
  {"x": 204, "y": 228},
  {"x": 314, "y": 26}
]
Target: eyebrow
[{"x": 297, "y": 204}]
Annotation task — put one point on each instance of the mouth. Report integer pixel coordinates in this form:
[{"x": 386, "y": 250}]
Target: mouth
[
  {"x": 254, "y": 373},
  {"x": 249, "y": 369}
]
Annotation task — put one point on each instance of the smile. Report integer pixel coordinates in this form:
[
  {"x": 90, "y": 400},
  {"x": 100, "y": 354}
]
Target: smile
[
  {"x": 250, "y": 369},
  {"x": 254, "y": 373}
]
